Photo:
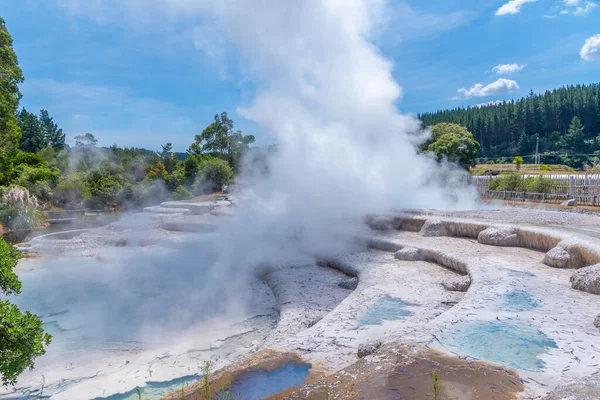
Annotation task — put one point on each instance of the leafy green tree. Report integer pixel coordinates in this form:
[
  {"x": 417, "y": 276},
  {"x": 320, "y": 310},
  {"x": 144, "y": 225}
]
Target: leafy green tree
[
  {"x": 221, "y": 141},
  {"x": 86, "y": 141},
  {"x": 53, "y": 135},
  {"x": 454, "y": 143},
  {"x": 10, "y": 77},
  {"x": 22, "y": 338}
]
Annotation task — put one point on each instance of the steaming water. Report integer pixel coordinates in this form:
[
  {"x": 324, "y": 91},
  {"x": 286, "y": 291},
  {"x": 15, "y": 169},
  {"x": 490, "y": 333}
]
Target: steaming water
[
  {"x": 387, "y": 308},
  {"x": 328, "y": 97},
  {"x": 261, "y": 384},
  {"x": 516, "y": 346}
]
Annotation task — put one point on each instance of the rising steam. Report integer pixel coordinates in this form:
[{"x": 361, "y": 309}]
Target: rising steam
[{"x": 327, "y": 95}]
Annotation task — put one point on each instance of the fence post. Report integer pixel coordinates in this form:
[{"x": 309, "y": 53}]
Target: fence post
[
  {"x": 570, "y": 185},
  {"x": 524, "y": 194},
  {"x": 594, "y": 201},
  {"x": 543, "y": 197},
  {"x": 504, "y": 198}
]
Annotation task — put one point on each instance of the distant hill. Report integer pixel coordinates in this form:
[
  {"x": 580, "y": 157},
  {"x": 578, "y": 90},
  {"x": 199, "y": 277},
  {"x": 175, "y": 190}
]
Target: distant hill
[{"x": 511, "y": 128}]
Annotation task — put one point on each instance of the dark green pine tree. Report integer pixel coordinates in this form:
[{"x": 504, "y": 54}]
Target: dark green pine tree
[
  {"x": 53, "y": 135},
  {"x": 32, "y": 135}
]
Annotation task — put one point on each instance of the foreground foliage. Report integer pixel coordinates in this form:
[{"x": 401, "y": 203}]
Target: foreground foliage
[{"x": 22, "y": 338}]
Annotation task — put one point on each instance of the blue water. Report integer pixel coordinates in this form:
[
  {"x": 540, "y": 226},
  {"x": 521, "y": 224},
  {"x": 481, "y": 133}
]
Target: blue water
[
  {"x": 155, "y": 390},
  {"x": 386, "y": 308},
  {"x": 259, "y": 384},
  {"x": 516, "y": 346},
  {"x": 519, "y": 300}
]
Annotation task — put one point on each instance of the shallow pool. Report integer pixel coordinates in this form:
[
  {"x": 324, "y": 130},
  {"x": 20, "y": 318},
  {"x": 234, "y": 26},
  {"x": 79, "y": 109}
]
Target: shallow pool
[
  {"x": 154, "y": 390},
  {"x": 519, "y": 300},
  {"x": 259, "y": 384},
  {"x": 387, "y": 308},
  {"x": 509, "y": 344}
]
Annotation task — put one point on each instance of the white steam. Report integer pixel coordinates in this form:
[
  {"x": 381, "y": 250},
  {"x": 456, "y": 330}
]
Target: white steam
[{"x": 327, "y": 95}]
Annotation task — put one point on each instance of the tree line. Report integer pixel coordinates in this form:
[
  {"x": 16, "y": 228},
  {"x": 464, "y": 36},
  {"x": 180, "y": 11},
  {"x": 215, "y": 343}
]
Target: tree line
[{"x": 565, "y": 120}]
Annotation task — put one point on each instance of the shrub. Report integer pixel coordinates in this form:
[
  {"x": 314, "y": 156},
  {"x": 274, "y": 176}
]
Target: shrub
[
  {"x": 31, "y": 159},
  {"x": 516, "y": 183},
  {"x": 539, "y": 184},
  {"x": 147, "y": 193},
  {"x": 22, "y": 338},
  {"x": 215, "y": 174},
  {"x": 181, "y": 193},
  {"x": 19, "y": 210},
  {"x": 104, "y": 189},
  {"x": 174, "y": 180},
  {"x": 71, "y": 192},
  {"x": 511, "y": 182}
]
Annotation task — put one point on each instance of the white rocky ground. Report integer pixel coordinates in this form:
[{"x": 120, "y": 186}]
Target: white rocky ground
[{"x": 402, "y": 298}]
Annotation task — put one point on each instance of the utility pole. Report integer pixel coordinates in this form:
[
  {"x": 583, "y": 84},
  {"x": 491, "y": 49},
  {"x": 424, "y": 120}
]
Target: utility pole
[{"x": 537, "y": 153}]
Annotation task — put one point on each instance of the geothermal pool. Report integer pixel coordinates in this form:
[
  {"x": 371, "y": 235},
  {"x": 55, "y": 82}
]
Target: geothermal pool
[{"x": 136, "y": 305}]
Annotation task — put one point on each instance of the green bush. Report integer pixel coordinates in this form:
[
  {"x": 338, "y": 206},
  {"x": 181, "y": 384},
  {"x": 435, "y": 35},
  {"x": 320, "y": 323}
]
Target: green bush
[
  {"x": 13, "y": 217},
  {"x": 22, "y": 338},
  {"x": 149, "y": 193},
  {"x": 19, "y": 210},
  {"x": 104, "y": 189},
  {"x": 72, "y": 192},
  {"x": 181, "y": 193},
  {"x": 215, "y": 174},
  {"x": 539, "y": 184},
  {"x": 511, "y": 182},
  {"x": 31, "y": 159},
  {"x": 174, "y": 180},
  {"x": 516, "y": 183}
]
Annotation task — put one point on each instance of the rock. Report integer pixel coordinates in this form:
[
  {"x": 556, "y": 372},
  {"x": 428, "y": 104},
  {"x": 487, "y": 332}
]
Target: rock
[
  {"x": 562, "y": 256},
  {"x": 587, "y": 279},
  {"x": 597, "y": 322},
  {"x": 382, "y": 223},
  {"x": 457, "y": 283},
  {"x": 433, "y": 227},
  {"x": 569, "y": 203},
  {"x": 499, "y": 236},
  {"x": 368, "y": 349},
  {"x": 408, "y": 254},
  {"x": 121, "y": 242},
  {"x": 582, "y": 389},
  {"x": 350, "y": 283}
]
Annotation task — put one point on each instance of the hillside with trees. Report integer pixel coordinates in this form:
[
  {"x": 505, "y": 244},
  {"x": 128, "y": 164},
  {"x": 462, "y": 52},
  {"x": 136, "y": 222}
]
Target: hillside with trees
[{"x": 566, "y": 121}]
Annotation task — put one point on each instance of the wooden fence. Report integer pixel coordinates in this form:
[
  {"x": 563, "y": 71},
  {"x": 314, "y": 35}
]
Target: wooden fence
[{"x": 554, "y": 198}]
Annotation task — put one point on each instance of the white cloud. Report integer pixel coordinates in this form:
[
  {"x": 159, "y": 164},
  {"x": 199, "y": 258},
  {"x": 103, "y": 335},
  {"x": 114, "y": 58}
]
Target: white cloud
[
  {"x": 501, "y": 86},
  {"x": 505, "y": 69},
  {"x": 407, "y": 23},
  {"x": 591, "y": 49},
  {"x": 579, "y": 8},
  {"x": 513, "y": 7}
]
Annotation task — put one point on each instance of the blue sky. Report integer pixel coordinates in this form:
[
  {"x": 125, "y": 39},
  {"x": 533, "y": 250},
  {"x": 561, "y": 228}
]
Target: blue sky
[{"x": 114, "y": 68}]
